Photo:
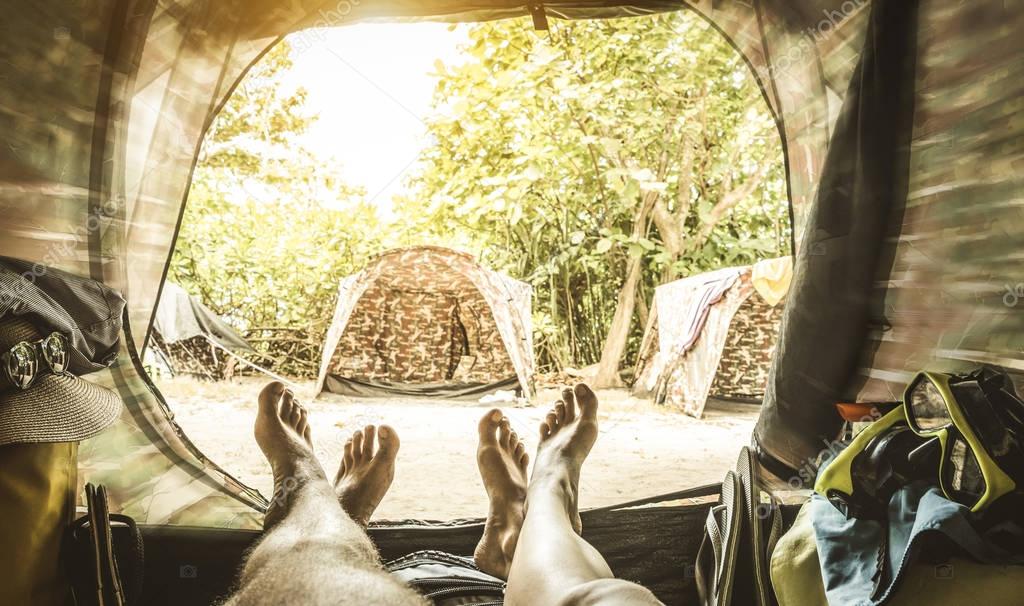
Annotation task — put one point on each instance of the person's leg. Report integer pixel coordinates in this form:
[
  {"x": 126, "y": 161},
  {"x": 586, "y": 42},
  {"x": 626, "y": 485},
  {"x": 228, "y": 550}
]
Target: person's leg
[
  {"x": 552, "y": 563},
  {"x": 312, "y": 551}
]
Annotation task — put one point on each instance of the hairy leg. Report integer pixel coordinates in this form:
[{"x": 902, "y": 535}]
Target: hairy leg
[
  {"x": 312, "y": 551},
  {"x": 552, "y": 563}
]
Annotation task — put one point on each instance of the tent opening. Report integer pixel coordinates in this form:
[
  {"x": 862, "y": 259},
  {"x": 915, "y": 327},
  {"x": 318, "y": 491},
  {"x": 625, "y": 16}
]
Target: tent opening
[
  {"x": 897, "y": 123},
  {"x": 410, "y": 234}
]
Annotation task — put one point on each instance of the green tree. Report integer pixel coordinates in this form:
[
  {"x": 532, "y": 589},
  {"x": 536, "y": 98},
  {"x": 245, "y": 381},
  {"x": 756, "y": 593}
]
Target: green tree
[
  {"x": 599, "y": 160},
  {"x": 270, "y": 228}
]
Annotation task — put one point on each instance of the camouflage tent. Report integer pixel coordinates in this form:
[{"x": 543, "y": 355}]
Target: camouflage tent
[
  {"x": 429, "y": 321},
  {"x": 708, "y": 335},
  {"x": 900, "y": 126}
]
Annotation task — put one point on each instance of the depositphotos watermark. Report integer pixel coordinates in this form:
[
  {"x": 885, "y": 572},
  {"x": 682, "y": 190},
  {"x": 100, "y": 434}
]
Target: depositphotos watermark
[
  {"x": 799, "y": 52},
  {"x": 808, "y": 472},
  {"x": 1014, "y": 294},
  {"x": 308, "y": 37},
  {"x": 58, "y": 252}
]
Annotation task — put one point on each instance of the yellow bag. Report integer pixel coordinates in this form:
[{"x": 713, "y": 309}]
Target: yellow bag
[
  {"x": 796, "y": 576},
  {"x": 37, "y": 502}
]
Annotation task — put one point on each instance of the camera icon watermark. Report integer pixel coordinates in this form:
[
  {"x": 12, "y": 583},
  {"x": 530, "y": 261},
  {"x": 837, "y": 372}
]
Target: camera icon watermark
[
  {"x": 188, "y": 571},
  {"x": 1014, "y": 293}
]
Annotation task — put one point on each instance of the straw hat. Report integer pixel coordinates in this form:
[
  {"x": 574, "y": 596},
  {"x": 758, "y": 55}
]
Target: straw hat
[{"x": 56, "y": 408}]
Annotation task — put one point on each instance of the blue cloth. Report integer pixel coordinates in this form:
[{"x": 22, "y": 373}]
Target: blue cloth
[{"x": 862, "y": 561}]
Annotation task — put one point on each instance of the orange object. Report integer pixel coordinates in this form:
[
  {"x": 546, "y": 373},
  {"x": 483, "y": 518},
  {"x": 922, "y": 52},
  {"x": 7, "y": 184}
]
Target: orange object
[{"x": 864, "y": 412}]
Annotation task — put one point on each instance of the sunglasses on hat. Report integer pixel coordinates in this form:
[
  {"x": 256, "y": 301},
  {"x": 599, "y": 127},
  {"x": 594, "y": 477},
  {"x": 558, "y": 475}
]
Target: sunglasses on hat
[{"x": 26, "y": 361}]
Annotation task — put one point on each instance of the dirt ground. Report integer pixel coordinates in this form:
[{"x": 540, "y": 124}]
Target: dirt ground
[{"x": 643, "y": 450}]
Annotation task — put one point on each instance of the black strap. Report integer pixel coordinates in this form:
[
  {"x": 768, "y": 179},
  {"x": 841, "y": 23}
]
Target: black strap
[{"x": 98, "y": 547}]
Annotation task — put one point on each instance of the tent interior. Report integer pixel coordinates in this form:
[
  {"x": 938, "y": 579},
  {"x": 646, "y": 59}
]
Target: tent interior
[
  {"x": 901, "y": 127},
  {"x": 428, "y": 322}
]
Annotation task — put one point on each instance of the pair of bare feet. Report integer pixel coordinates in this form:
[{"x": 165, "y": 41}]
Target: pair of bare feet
[{"x": 368, "y": 465}]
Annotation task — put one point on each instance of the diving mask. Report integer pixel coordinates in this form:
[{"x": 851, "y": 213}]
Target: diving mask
[
  {"x": 978, "y": 422},
  {"x": 861, "y": 480}
]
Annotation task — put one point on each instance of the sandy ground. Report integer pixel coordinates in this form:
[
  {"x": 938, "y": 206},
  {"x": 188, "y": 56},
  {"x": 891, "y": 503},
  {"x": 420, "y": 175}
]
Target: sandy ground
[{"x": 643, "y": 450}]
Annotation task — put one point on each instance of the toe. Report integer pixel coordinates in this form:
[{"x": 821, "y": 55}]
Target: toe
[
  {"x": 560, "y": 412},
  {"x": 570, "y": 404},
  {"x": 270, "y": 398},
  {"x": 387, "y": 439},
  {"x": 303, "y": 424},
  {"x": 348, "y": 459},
  {"x": 552, "y": 422},
  {"x": 357, "y": 446},
  {"x": 487, "y": 426},
  {"x": 370, "y": 433},
  {"x": 513, "y": 441},
  {"x": 524, "y": 461},
  {"x": 545, "y": 429},
  {"x": 288, "y": 407},
  {"x": 587, "y": 400},
  {"x": 504, "y": 432},
  {"x": 307, "y": 434},
  {"x": 519, "y": 450}
]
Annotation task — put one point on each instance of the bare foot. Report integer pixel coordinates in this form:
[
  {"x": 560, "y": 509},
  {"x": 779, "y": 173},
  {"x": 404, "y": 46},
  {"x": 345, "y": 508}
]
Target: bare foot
[
  {"x": 502, "y": 460},
  {"x": 282, "y": 433},
  {"x": 364, "y": 476},
  {"x": 566, "y": 436}
]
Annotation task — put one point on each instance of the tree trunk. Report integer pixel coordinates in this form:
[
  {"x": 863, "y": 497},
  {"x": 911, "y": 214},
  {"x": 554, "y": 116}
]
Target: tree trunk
[{"x": 618, "y": 332}]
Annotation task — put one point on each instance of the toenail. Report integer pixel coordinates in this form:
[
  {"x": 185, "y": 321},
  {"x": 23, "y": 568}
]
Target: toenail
[
  {"x": 383, "y": 431},
  {"x": 496, "y": 415}
]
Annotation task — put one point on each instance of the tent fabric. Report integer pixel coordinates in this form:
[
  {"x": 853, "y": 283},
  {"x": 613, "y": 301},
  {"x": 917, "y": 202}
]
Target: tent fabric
[
  {"x": 429, "y": 316},
  {"x": 180, "y": 317},
  {"x": 105, "y": 103},
  {"x": 679, "y": 313},
  {"x": 446, "y": 391},
  {"x": 687, "y": 378},
  {"x": 862, "y": 192},
  {"x": 748, "y": 351},
  {"x": 683, "y": 363},
  {"x": 695, "y": 297}
]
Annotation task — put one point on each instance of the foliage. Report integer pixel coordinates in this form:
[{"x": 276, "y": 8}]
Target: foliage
[
  {"x": 595, "y": 161},
  {"x": 572, "y": 157},
  {"x": 270, "y": 229}
]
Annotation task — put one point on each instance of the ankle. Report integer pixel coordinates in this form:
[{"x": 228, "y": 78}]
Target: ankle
[
  {"x": 298, "y": 469},
  {"x": 556, "y": 491},
  {"x": 501, "y": 504},
  {"x": 551, "y": 481}
]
